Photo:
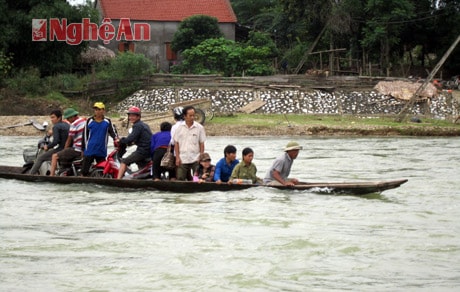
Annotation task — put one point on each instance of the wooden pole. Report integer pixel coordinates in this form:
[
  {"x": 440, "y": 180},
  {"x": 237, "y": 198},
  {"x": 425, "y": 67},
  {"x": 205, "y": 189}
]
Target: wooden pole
[
  {"x": 308, "y": 52},
  {"x": 411, "y": 101}
]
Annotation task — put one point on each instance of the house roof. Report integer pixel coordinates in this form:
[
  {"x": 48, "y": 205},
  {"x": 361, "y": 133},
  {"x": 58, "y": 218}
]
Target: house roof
[{"x": 167, "y": 10}]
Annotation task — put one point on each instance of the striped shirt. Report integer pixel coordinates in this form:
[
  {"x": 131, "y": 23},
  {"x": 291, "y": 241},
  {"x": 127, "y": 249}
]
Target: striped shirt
[{"x": 76, "y": 132}]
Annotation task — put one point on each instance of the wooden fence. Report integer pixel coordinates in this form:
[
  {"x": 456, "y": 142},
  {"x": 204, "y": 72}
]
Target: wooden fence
[{"x": 111, "y": 87}]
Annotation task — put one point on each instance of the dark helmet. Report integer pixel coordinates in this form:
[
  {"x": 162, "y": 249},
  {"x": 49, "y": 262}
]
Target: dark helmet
[
  {"x": 134, "y": 110},
  {"x": 178, "y": 113}
]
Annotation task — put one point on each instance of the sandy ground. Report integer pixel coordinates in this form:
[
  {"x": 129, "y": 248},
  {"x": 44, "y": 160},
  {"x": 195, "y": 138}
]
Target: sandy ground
[{"x": 20, "y": 126}]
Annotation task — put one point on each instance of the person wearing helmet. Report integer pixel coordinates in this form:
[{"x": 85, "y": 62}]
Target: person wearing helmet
[
  {"x": 179, "y": 118},
  {"x": 189, "y": 139},
  {"x": 140, "y": 136},
  {"x": 178, "y": 113}
]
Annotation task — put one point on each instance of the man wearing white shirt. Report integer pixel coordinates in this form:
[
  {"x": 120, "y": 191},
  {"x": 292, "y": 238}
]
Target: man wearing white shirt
[{"x": 189, "y": 138}]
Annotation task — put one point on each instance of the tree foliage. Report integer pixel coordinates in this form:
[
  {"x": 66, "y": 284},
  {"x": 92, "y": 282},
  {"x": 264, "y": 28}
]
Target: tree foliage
[
  {"x": 193, "y": 30},
  {"x": 390, "y": 33},
  {"x": 226, "y": 57},
  {"x": 126, "y": 65},
  {"x": 16, "y": 40}
]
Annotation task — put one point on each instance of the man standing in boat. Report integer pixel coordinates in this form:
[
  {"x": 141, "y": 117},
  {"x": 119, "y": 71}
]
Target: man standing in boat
[
  {"x": 189, "y": 139},
  {"x": 278, "y": 174},
  {"x": 96, "y": 136},
  {"x": 140, "y": 136}
]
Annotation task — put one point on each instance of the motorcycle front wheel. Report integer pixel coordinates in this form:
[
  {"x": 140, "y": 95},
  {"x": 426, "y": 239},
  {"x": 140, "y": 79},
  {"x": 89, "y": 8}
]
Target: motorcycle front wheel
[{"x": 99, "y": 173}]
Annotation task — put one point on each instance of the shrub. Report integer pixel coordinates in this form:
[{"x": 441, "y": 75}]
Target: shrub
[
  {"x": 64, "y": 82},
  {"x": 26, "y": 81},
  {"x": 56, "y": 96},
  {"x": 126, "y": 66},
  {"x": 5, "y": 65},
  {"x": 221, "y": 56}
]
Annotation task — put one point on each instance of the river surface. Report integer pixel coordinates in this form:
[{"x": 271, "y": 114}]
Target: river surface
[{"x": 89, "y": 238}]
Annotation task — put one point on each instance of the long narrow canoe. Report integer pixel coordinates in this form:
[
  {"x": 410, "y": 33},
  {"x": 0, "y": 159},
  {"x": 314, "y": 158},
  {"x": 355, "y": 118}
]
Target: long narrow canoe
[{"x": 354, "y": 188}]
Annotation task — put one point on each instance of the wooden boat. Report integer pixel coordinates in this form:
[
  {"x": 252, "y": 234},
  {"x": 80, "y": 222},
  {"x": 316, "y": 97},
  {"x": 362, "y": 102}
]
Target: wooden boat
[{"x": 354, "y": 188}]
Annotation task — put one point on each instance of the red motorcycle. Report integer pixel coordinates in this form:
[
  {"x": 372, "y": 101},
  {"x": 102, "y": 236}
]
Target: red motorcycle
[{"x": 109, "y": 168}]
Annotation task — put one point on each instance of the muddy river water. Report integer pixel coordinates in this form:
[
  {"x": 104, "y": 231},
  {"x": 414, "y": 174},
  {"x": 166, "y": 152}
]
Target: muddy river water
[{"x": 89, "y": 238}]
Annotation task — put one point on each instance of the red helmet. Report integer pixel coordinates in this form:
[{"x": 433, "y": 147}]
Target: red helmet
[{"x": 134, "y": 110}]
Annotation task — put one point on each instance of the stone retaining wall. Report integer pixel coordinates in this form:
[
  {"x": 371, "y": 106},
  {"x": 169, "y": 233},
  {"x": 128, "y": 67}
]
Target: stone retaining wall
[{"x": 291, "y": 101}]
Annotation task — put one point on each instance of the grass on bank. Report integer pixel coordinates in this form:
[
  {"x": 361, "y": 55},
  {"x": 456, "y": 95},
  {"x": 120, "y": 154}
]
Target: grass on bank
[
  {"x": 327, "y": 120},
  {"x": 346, "y": 123}
]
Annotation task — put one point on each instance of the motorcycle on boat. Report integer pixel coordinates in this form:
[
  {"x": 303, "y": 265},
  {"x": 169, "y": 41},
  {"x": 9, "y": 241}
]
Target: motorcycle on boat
[
  {"x": 31, "y": 154},
  {"x": 109, "y": 168}
]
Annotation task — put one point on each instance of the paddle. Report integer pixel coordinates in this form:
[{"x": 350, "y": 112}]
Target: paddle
[
  {"x": 32, "y": 122},
  {"x": 37, "y": 125},
  {"x": 17, "y": 125}
]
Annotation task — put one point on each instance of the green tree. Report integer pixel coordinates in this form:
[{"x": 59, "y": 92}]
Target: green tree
[
  {"x": 127, "y": 68},
  {"x": 385, "y": 20},
  {"x": 193, "y": 30},
  {"x": 259, "y": 40},
  {"x": 127, "y": 65},
  {"x": 226, "y": 57},
  {"x": 49, "y": 57}
]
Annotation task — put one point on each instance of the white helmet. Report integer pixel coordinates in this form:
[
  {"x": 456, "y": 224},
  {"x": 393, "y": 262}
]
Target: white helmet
[{"x": 178, "y": 113}]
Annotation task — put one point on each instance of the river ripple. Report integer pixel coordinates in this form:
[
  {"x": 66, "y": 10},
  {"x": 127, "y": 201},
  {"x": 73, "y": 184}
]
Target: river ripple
[{"x": 69, "y": 237}]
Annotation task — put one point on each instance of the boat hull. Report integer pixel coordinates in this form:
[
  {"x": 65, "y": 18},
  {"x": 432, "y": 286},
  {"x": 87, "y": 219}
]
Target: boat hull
[{"x": 354, "y": 188}]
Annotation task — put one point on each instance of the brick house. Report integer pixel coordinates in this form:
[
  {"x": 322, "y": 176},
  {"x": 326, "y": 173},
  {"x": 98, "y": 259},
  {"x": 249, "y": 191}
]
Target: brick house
[{"x": 163, "y": 17}]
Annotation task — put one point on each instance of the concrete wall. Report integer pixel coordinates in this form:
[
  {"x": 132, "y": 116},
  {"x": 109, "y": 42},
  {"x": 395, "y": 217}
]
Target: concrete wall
[{"x": 292, "y": 101}]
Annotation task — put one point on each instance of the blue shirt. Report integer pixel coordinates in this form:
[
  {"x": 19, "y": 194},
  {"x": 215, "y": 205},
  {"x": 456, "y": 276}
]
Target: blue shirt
[
  {"x": 96, "y": 136},
  {"x": 160, "y": 139},
  {"x": 223, "y": 170}
]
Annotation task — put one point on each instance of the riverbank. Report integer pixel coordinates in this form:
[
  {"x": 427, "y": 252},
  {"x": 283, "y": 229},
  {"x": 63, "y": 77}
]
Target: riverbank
[{"x": 273, "y": 125}]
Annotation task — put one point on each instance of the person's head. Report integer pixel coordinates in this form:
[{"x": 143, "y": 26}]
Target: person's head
[
  {"x": 178, "y": 113},
  {"x": 56, "y": 116},
  {"x": 248, "y": 155},
  {"x": 230, "y": 152},
  {"x": 70, "y": 114},
  {"x": 165, "y": 127},
  {"x": 189, "y": 114},
  {"x": 205, "y": 160},
  {"x": 99, "y": 109},
  {"x": 134, "y": 114},
  {"x": 292, "y": 149}
]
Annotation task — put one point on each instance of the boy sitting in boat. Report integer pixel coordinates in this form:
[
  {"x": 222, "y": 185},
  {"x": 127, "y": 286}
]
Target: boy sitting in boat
[
  {"x": 245, "y": 171},
  {"x": 225, "y": 165}
]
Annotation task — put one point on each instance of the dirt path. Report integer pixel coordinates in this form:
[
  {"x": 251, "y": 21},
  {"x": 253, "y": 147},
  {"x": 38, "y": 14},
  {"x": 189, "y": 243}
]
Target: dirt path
[
  {"x": 19, "y": 129},
  {"x": 347, "y": 130}
]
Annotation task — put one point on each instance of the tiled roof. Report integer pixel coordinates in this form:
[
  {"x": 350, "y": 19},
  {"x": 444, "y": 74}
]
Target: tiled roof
[{"x": 167, "y": 10}]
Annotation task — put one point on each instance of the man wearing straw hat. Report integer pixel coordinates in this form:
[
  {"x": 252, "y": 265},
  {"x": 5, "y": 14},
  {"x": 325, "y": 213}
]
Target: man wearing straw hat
[{"x": 281, "y": 168}]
